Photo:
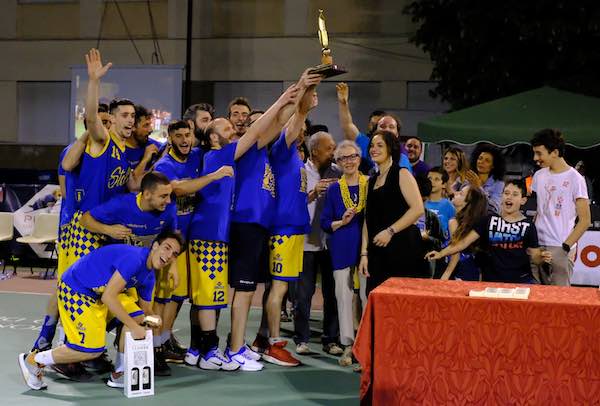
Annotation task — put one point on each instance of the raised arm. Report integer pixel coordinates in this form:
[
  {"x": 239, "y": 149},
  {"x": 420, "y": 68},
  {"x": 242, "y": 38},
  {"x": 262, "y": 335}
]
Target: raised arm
[
  {"x": 308, "y": 101},
  {"x": 189, "y": 186},
  {"x": 350, "y": 130},
  {"x": 73, "y": 155},
  {"x": 96, "y": 70}
]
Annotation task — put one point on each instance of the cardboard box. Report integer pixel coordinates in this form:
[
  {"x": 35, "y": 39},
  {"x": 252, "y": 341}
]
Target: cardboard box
[{"x": 139, "y": 366}]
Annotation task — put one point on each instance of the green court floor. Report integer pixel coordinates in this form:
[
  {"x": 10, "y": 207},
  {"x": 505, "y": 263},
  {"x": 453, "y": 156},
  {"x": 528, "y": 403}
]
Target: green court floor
[{"x": 319, "y": 381}]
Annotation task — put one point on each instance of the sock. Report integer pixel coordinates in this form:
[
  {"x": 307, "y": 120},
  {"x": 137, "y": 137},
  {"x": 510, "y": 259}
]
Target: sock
[
  {"x": 156, "y": 340},
  {"x": 119, "y": 364},
  {"x": 46, "y": 333},
  {"x": 165, "y": 336},
  {"x": 44, "y": 358},
  {"x": 273, "y": 340},
  {"x": 61, "y": 335},
  {"x": 209, "y": 340},
  {"x": 195, "y": 336}
]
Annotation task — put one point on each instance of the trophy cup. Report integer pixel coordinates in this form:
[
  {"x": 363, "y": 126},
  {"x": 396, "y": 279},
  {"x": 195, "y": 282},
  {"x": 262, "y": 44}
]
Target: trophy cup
[{"x": 327, "y": 68}]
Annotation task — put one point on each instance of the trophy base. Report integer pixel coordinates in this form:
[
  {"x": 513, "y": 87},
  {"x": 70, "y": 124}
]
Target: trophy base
[{"x": 328, "y": 70}]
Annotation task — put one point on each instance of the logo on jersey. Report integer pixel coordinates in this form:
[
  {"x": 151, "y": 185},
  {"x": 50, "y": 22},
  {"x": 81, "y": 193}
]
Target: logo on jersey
[
  {"x": 80, "y": 326},
  {"x": 268, "y": 183},
  {"x": 118, "y": 177},
  {"x": 219, "y": 286}
]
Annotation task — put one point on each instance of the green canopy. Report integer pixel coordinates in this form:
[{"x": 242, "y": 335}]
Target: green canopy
[{"x": 516, "y": 118}]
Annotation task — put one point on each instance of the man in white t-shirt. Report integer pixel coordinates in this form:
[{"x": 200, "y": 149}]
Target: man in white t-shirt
[{"x": 562, "y": 197}]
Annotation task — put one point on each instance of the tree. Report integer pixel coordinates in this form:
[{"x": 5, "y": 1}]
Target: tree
[{"x": 483, "y": 50}]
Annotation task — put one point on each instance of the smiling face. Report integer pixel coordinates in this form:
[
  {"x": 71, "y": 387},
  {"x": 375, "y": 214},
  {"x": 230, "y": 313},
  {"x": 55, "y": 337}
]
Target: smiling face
[
  {"x": 450, "y": 162},
  {"x": 485, "y": 163},
  {"x": 512, "y": 199},
  {"x": 164, "y": 254},
  {"x": 387, "y": 123},
  {"x": 142, "y": 130},
  {"x": 182, "y": 141},
  {"x": 349, "y": 160},
  {"x": 202, "y": 119},
  {"x": 238, "y": 115},
  {"x": 378, "y": 150},
  {"x": 159, "y": 197},
  {"x": 107, "y": 119},
  {"x": 413, "y": 148},
  {"x": 124, "y": 118},
  {"x": 542, "y": 157},
  {"x": 223, "y": 133}
]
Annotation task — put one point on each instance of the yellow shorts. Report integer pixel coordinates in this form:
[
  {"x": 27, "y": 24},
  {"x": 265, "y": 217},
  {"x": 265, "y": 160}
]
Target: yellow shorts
[
  {"x": 85, "y": 318},
  {"x": 286, "y": 256},
  {"x": 208, "y": 273},
  {"x": 163, "y": 290},
  {"x": 81, "y": 241},
  {"x": 62, "y": 247}
]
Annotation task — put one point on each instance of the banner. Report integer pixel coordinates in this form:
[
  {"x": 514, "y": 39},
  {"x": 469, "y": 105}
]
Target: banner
[{"x": 587, "y": 260}]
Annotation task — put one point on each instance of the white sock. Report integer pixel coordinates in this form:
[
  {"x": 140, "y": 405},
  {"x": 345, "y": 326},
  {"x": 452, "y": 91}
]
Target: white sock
[
  {"x": 44, "y": 358},
  {"x": 119, "y": 367},
  {"x": 164, "y": 337},
  {"x": 61, "y": 335}
]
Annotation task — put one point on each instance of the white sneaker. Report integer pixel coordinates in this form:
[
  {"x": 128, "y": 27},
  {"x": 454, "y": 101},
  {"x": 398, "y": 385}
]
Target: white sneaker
[
  {"x": 244, "y": 360},
  {"x": 192, "y": 356},
  {"x": 32, "y": 373},
  {"x": 303, "y": 349},
  {"x": 214, "y": 360},
  {"x": 255, "y": 356},
  {"x": 116, "y": 380}
]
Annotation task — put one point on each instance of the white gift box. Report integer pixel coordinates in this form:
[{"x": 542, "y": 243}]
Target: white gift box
[{"x": 139, "y": 366}]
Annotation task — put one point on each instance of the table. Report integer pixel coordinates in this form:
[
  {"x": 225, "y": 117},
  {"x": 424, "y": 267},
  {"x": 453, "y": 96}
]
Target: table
[{"x": 425, "y": 341}]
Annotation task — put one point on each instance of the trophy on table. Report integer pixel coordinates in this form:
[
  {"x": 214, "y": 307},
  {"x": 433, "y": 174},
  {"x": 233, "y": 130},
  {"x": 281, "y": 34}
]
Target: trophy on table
[{"x": 327, "y": 68}]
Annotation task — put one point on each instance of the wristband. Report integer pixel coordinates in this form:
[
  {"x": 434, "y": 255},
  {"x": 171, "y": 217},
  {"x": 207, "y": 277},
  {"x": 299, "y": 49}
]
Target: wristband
[
  {"x": 364, "y": 254},
  {"x": 566, "y": 247},
  {"x": 390, "y": 230}
]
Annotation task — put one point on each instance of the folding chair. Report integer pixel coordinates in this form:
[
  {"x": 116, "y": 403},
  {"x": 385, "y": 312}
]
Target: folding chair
[
  {"x": 6, "y": 231},
  {"x": 45, "y": 231}
]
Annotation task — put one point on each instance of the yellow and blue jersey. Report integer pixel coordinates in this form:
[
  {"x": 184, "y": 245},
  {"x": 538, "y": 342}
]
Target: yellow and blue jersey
[
  {"x": 91, "y": 273},
  {"x": 135, "y": 154},
  {"x": 175, "y": 169},
  {"x": 254, "y": 196},
  {"x": 291, "y": 206},
  {"x": 126, "y": 210},
  {"x": 213, "y": 209},
  {"x": 102, "y": 176}
]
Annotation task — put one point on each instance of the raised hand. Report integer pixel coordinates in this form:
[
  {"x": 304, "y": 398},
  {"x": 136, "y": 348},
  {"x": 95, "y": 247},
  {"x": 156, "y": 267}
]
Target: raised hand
[
  {"x": 290, "y": 96},
  {"x": 94, "y": 65},
  {"x": 473, "y": 178},
  {"x": 342, "y": 92}
]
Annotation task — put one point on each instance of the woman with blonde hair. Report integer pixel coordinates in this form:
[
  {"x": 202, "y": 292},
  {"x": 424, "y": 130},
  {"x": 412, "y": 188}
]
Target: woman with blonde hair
[{"x": 455, "y": 163}]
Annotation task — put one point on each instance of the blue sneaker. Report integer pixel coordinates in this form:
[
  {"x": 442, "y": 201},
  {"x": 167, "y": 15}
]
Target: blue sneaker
[
  {"x": 244, "y": 359},
  {"x": 215, "y": 360},
  {"x": 192, "y": 356}
]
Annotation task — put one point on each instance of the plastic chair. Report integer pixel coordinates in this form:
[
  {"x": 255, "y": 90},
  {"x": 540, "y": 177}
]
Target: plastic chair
[
  {"x": 45, "y": 231},
  {"x": 6, "y": 231}
]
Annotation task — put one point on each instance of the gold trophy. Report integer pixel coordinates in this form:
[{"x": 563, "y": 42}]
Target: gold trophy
[{"x": 327, "y": 68}]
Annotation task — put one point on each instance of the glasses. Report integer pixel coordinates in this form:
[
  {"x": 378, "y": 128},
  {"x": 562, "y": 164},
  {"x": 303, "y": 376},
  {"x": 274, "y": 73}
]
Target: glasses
[{"x": 346, "y": 158}]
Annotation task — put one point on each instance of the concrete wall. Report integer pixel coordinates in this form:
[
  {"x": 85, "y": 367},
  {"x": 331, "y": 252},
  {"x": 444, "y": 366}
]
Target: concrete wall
[{"x": 233, "y": 40}]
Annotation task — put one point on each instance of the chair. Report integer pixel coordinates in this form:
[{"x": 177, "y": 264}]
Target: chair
[
  {"x": 45, "y": 231},
  {"x": 6, "y": 231}
]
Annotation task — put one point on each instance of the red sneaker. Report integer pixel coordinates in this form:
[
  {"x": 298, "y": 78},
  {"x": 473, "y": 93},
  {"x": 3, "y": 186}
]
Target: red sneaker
[
  {"x": 260, "y": 344},
  {"x": 278, "y": 355}
]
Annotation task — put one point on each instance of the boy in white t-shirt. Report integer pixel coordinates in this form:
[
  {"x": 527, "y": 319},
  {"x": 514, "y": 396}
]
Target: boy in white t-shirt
[{"x": 561, "y": 198}]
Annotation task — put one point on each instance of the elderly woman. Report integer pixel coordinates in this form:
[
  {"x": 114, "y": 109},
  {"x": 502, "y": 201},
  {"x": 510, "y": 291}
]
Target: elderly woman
[
  {"x": 342, "y": 218},
  {"x": 488, "y": 171}
]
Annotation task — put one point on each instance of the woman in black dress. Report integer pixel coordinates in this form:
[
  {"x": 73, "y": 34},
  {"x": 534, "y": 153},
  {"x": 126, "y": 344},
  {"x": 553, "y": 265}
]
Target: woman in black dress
[{"x": 391, "y": 242}]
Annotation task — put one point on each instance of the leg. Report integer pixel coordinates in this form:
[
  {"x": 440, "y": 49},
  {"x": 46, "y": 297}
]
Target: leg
[
  {"x": 344, "y": 293},
  {"x": 305, "y": 289},
  {"x": 263, "y": 330},
  {"x": 561, "y": 268},
  {"x": 331, "y": 329},
  {"x": 275, "y": 299},
  {"x": 239, "y": 317},
  {"x": 46, "y": 335}
]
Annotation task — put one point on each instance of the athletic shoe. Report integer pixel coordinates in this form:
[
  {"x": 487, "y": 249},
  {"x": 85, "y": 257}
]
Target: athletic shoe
[
  {"x": 173, "y": 353},
  {"x": 303, "y": 349},
  {"x": 116, "y": 380},
  {"x": 192, "y": 356},
  {"x": 176, "y": 344},
  {"x": 260, "y": 344},
  {"x": 333, "y": 349},
  {"x": 255, "y": 356},
  {"x": 244, "y": 360},
  {"x": 32, "y": 371},
  {"x": 346, "y": 358},
  {"x": 215, "y": 360},
  {"x": 285, "y": 317},
  {"x": 72, "y": 371},
  {"x": 100, "y": 365},
  {"x": 277, "y": 354},
  {"x": 161, "y": 368}
]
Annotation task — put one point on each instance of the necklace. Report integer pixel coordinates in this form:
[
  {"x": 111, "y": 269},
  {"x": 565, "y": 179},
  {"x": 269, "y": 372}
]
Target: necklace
[{"x": 362, "y": 193}]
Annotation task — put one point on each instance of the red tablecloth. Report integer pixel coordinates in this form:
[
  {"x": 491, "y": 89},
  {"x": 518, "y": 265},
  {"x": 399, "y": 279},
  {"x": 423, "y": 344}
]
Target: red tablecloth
[{"x": 426, "y": 342}]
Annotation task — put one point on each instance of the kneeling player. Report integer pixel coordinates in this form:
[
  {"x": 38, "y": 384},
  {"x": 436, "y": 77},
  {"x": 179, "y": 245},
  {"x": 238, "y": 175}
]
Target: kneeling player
[{"x": 90, "y": 290}]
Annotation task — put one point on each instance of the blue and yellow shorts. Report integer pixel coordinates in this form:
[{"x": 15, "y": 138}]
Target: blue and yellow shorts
[
  {"x": 208, "y": 273},
  {"x": 286, "y": 254}
]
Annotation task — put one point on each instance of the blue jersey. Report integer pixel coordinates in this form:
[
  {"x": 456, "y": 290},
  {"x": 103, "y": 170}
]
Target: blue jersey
[
  {"x": 67, "y": 205},
  {"x": 213, "y": 210},
  {"x": 291, "y": 206},
  {"x": 135, "y": 154},
  {"x": 445, "y": 211},
  {"x": 91, "y": 273},
  {"x": 176, "y": 169},
  {"x": 254, "y": 197},
  {"x": 101, "y": 176},
  {"x": 145, "y": 225}
]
